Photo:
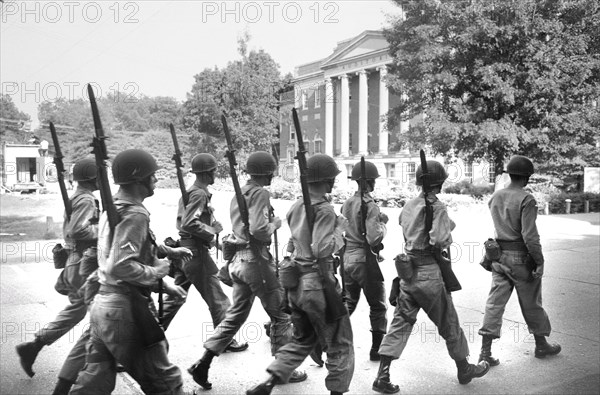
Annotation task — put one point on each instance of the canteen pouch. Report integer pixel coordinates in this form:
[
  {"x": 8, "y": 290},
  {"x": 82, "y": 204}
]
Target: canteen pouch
[
  {"x": 229, "y": 248},
  {"x": 289, "y": 275},
  {"x": 492, "y": 250},
  {"x": 59, "y": 256},
  {"x": 404, "y": 267},
  {"x": 61, "y": 286},
  {"x": 223, "y": 275}
]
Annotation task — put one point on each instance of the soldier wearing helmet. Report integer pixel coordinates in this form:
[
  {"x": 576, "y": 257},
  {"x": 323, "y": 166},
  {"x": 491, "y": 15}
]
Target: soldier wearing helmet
[
  {"x": 252, "y": 275},
  {"x": 521, "y": 265},
  {"x": 80, "y": 232},
  {"x": 358, "y": 276},
  {"x": 425, "y": 288},
  {"x": 307, "y": 300},
  {"x": 198, "y": 230},
  {"x": 129, "y": 264}
]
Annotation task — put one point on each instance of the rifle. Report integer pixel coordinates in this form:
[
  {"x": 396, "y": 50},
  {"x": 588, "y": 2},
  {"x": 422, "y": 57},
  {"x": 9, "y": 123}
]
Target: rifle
[
  {"x": 178, "y": 165},
  {"x": 441, "y": 256},
  {"x": 335, "y": 303},
  {"x": 372, "y": 253},
  {"x": 151, "y": 333},
  {"x": 60, "y": 170}
]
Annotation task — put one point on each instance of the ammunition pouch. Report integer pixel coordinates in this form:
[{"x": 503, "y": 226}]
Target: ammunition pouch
[
  {"x": 230, "y": 248},
  {"x": 404, "y": 267},
  {"x": 289, "y": 274},
  {"x": 60, "y": 255}
]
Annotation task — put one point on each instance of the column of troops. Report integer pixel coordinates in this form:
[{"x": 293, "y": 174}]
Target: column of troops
[{"x": 112, "y": 273}]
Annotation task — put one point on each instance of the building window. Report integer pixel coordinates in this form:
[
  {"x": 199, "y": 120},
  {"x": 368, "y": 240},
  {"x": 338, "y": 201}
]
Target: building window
[
  {"x": 292, "y": 134},
  {"x": 317, "y": 116},
  {"x": 317, "y": 97},
  {"x": 390, "y": 169},
  {"x": 307, "y": 146},
  {"x": 290, "y": 155},
  {"x": 411, "y": 169},
  {"x": 491, "y": 174},
  {"x": 304, "y": 100},
  {"x": 469, "y": 171},
  {"x": 318, "y": 142}
]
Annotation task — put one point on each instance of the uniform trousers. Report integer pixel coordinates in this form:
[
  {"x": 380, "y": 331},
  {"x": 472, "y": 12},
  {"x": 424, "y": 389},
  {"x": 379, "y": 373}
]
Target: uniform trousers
[
  {"x": 311, "y": 327},
  {"x": 75, "y": 311},
  {"x": 356, "y": 279},
  {"x": 208, "y": 286},
  {"x": 115, "y": 337},
  {"x": 425, "y": 291},
  {"x": 529, "y": 292},
  {"x": 247, "y": 274}
]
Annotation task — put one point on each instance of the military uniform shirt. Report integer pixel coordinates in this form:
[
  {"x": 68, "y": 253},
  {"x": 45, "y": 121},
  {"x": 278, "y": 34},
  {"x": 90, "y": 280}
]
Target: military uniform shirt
[
  {"x": 132, "y": 253},
  {"x": 259, "y": 209},
  {"x": 84, "y": 210},
  {"x": 376, "y": 229},
  {"x": 514, "y": 212},
  {"x": 194, "y": 218},
  {"x": 326, "y": 238},
  {"x": 412, "y": 220}
]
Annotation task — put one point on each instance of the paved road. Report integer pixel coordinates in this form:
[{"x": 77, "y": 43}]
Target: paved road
[{"x": 571, "y": 296}]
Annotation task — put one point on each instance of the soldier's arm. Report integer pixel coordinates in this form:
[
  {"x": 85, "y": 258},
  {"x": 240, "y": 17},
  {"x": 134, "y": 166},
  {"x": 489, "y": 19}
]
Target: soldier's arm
[
  {"x": 440, "y": 233},
  {"x": 327, "y": 237},
  {"x": 259, "y": 216},
  {"x": 529, "y": 230},
  {"x": 124, "y": 261},
  {"x": 190, "y": 220},
  {"x": 376, "y": 230},
  {"x": 80, "y": 226}
]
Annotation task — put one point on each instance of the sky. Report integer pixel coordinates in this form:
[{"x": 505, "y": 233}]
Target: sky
[{"x": 51, "y": 49}]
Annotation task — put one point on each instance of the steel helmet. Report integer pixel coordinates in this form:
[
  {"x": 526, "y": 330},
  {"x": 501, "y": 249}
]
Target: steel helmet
[
  {"x": 520, "y": 165},
  {"x": 437, "y": 173},
  {"x": 85, "y": 170},
  {"x": 371, "y": 172},
  {"x": 321, "y": 167},
  {"x": 261, "y": 163},
  {"x": 203, "y": 163},
  {"x": 133, "y": 165}
]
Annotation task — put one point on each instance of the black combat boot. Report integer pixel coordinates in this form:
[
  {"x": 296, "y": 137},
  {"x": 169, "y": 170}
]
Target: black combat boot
[
  {"x": 199, "y": 370},
  {"x": 263, "y": 388},
  {"x": 543, "y": 348},
  {"x": 377, "y": 338},
  {"x": 62, "y": 387},
  {"x": 486, "y": 351},
  {"x": 467, "y": 371},
  {"x": 28, "y": 353},
  {"x": 382, "y": 382}
]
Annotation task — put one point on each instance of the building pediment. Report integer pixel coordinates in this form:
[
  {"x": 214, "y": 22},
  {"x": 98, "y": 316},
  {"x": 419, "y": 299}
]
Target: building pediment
[{"x": 368, "y": 42}]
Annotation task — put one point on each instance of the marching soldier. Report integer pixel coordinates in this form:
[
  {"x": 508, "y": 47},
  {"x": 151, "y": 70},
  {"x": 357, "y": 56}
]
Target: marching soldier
[
  {"x": 198, "y": 230},
  {"x": 124, "y": 325},
  {"x": 307, "y": 299},
  {"x": 425, "y": 288},
  {"x": 81, "y": 236},
  {"x": 521, "y": 265},
  {"x": 252, "y": 270},
  {"x": 357, "y": 275}
]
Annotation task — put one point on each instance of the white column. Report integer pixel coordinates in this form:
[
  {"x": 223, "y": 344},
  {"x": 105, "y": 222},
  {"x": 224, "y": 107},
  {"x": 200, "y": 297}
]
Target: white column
[
  {"x": 383, "y": 109},
  {"x": 329, "y": 117},
  {"x": 345, "y": 115},
  {"x": 363, "y": 113}
]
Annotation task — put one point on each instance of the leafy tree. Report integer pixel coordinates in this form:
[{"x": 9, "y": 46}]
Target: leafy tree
[
  {"x": 494, "y": 78},
  {"x": 12, "y": 120},
  {"x": 247, "y": 89}
]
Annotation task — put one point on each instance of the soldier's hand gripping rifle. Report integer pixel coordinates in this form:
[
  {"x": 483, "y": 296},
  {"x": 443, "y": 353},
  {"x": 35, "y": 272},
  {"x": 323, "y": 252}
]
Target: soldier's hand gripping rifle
[
  {"x": 372, "y": 253},
  {"x": 60, "y": 170},
  {"x": 151, "y": 332},
  {"x": 441, "y": 256},
  {"x": 335, "y": 303}
]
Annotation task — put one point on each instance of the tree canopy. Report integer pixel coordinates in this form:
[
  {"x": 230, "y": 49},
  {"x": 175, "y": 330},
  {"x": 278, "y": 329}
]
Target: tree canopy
[
  {"x": 495, "y": 78},
  {"x": 248, "y": 91}
]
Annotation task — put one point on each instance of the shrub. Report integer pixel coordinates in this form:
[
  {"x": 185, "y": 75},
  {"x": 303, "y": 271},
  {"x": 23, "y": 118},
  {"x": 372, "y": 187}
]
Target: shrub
[
  {"x": 466, "y": 187},
  {"x": 557, "y": 203}
]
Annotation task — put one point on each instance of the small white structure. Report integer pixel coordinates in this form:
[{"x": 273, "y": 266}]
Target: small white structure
[{"x": 23, "y": 169}]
